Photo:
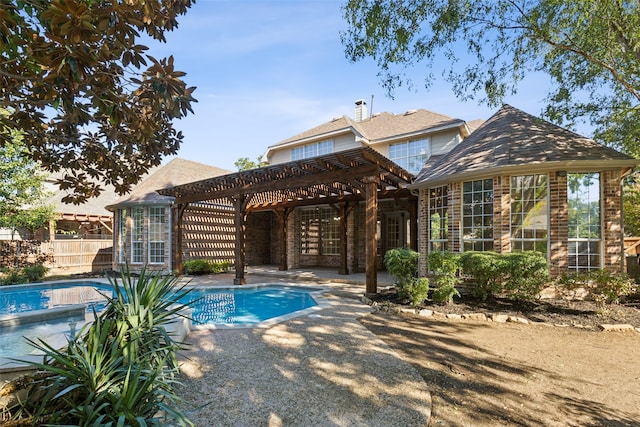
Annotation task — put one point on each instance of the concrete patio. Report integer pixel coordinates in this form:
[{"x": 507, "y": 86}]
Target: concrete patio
[{"x": 322, "y": 369}]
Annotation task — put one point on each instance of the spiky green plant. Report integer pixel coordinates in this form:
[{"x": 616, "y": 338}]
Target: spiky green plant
[{"x": 119, "y": 370}]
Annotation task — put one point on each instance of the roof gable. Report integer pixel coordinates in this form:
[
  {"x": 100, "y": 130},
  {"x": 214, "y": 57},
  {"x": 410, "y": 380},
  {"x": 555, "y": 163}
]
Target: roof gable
[
  {"x": 513, "y": 138},
  {"x": 178, "y": 171}
]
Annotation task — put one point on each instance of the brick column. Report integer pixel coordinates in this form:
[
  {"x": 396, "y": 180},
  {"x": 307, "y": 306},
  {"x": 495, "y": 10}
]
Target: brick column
[
  {"x": 611, "y": 206},
  {"x": 423, "y": 230},
  {"x": 558, "y": 224},
  {"x": 501, "y": 214},
  {"x": 454, "y": 203}
]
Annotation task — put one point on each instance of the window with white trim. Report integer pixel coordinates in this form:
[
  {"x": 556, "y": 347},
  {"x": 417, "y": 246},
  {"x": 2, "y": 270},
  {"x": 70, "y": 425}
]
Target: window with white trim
[
  {"x": 137, "y": 235},
  {"x": 157, "y": 227},
  {"x": 583, "y": 199},
  {"x": 312, "y": 150},
  {"x": 477, "y": 215},
  {"x": 319, "y": 231},
  {"x": 438, "y": 219},
  {"x": 410, "y": 155},
  {"x": 529, "y": 213}
]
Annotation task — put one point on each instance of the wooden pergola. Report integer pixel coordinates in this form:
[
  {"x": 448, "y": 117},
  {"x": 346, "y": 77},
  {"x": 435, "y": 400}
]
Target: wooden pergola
[{"x": 340, "y": 179}]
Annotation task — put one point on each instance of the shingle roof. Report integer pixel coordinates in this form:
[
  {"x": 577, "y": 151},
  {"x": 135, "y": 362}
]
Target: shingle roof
[
  {"x": 512, "y": 138},
  {"x": 379, "y": 127},
  {"x": 176, "y": 172}
]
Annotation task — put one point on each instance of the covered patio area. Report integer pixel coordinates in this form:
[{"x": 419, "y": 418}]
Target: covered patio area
[{"x": 341, "y": 180}]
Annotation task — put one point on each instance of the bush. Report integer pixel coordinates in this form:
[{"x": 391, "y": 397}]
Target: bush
[
  {"x": 34, "y": 273},
  {"x": 519, "y": 275},
  {"x": 487, "y": 270},
  {"x": 402, "y": 265},
  {"x": 445, "y": 274},
  {"x": 418, "y": 290},
  {"x": 601, "y": 286},
  {"x": 197, "y": 267},
  {"x": 118, "y": 370}
]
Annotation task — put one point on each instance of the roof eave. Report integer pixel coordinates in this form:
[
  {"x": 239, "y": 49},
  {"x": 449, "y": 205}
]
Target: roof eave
[{"x": 566, "y": 165}]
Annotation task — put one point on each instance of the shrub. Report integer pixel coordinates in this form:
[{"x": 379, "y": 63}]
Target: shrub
[
  {"x": 418, "y": 290},
  {"x": 527, "y": 275},
  {"x": 202, "y": 266},
  {"x": 14, "y": 277},
  {"x": 445, "y": 274},
  {"x": 519, "y": 275},
  {"x": 402, "y": 265},
  {"x": 34, "y": 273},
  {"x": 602, "y": 286},
  {"x": 487, "y": 270},
  {"x": 119, "y": 370}
]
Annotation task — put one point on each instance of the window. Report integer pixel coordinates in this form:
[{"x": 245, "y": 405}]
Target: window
[
  {"x": 411, "y": 155},
  {"x": 156, "y": 235},
  {"x": 583, "y": 194},
  {"x": 477, "y": 215},
  {"x": 122, "y": 234},
  {"x": 137, "y": 235},
  {"x": 529, "y": 213},
  {"x": 312, "y": 150},
  {"x": 438, "y": 219},
  {"x": 319, "y": 231}
]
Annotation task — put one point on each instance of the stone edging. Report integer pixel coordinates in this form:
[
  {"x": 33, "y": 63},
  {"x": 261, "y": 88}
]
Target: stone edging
[{"x": 491, "y": 317}]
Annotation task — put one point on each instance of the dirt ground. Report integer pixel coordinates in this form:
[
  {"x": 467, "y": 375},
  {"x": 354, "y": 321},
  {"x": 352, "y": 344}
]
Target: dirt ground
[{"x": 484, "y": 373}]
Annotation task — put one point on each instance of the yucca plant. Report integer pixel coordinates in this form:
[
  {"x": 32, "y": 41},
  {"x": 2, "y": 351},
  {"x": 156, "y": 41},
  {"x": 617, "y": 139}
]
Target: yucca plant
[{"x": 119, "y": 370}]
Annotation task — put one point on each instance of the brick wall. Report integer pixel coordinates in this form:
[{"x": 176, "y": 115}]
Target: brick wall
[
  {"x": 558, "y": 224},
  {"x": 613, "y": 241}
]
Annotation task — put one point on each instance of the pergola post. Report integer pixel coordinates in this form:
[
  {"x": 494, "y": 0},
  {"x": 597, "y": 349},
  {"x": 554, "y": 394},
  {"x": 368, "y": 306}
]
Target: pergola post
[
  {"x": 371, "y": 236},
  {"x": 239, "y": 204},
  {"x": 283, "y": 215},
  {"x": 343, "y": 209},
  {"x": 178, "y": 211}
]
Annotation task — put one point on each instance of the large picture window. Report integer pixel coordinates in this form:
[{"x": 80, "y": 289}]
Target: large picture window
[
  {"x": 438, "y": 219},
  {"x": 319, "y": 231},
  {"x": 477, "y": 215},
  {"x": 156, "y": 234},
  {"x": 529, "y": 213},
  {"x": 410, "y": 155},
  {"x": 137, "y": 235},
  {"x": 312, "y": 150},
  {"x": 583, "y": 194}
]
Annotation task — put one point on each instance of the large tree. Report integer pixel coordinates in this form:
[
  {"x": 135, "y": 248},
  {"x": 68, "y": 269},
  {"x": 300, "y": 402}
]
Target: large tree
[
  {"x": 590, "y": 49},
  {"x": 80, "y": 87}
]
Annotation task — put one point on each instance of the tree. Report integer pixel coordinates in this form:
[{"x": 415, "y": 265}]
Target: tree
[
  {"x": 73, "y": 80},
  {"x": 22, "y": 192},
  {"x": 243, "y": 163},
  {"x": 590, "y": 49}
]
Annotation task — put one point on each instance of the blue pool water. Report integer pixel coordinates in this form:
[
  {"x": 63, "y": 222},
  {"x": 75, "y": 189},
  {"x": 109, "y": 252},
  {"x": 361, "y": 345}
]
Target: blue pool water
[
  {"x": 21, "y": 299},
  {"x": 248, "y": 305}
]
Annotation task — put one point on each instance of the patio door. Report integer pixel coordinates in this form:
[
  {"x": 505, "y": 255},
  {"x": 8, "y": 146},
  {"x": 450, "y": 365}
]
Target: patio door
[{"x": 395, "y": 231}]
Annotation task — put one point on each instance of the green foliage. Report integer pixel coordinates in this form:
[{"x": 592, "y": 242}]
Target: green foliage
[
  {"x": 197, "y": 267},
  {"x": 417, "y": 290},
  {"x": 243, "y": 163},
  {"x": 519, "y": 275},
  {"x": 22, "y": 192},
  {"x": 29, "y": 274},
  {"x": 602, "y": 286},
  {"x": 119, "y": 370},
  {"x": 402, "y": 265},
  {"x": 445, "y": 275},
  {"x": 486, "y": 270},
  {"x": 631, "y": 208},
  {"x": 589, "y": 49},
  {"x": 74, "y": 76}
]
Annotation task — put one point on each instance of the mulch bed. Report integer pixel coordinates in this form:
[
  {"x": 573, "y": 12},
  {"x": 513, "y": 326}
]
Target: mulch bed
[{"x": 554, "y": 311}]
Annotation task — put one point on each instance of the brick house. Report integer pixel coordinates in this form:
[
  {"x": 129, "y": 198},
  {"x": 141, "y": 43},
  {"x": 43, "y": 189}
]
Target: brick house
[
  {"x": 143, "y": 234},
  {"x": 339, "y": 195},
  {"x": 521, "y": 183}
]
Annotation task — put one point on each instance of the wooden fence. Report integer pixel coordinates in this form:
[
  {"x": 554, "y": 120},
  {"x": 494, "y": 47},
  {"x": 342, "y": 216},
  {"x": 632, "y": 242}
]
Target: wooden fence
[{"x": 73, "y": 256}]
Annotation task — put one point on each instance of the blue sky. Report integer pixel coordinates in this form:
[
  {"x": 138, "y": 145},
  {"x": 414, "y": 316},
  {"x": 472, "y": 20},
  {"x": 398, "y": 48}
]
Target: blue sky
[{"x": 266, "y": 70}]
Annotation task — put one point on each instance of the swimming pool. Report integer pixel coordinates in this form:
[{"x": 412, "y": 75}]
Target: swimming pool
[{"x": 50, "y": 311}]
